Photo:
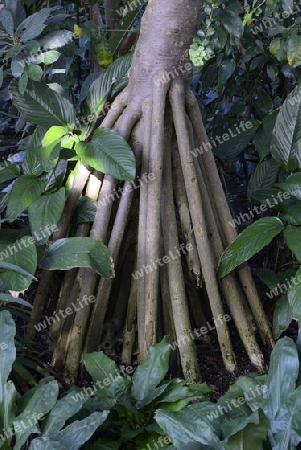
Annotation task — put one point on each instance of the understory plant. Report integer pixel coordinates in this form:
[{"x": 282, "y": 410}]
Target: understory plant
[{"x": 149, "y": 410}]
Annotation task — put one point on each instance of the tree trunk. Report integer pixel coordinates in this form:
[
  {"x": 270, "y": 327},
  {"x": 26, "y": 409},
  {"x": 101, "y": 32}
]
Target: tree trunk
[{"x": 184, "y": 208}]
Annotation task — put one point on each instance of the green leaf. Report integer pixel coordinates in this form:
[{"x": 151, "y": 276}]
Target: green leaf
[
  {"x": 22, "y": 84},
  {"x": 182, "y": 431},
  {"x": 19, "y": 261},
  {"x": 80, "y": 431},
  {"x": 235, "y": 141},
  {"x": 46, "y": 443},
  {"x": 263, "y": 135},
  {"x": 8, "y": 171},
  {"x": 7, "y": 20},
  {"x": 248, "y": 243},
  {"x": 65, "y": 254},
  {"x": 293, "y": 295},
  {"x": 64, "y": 409},
  {"x": 231, "y": 21},
  {"x": 286, "y": 139},
  {"x": 283, "y": 403},
  {"x": 282, "y": 316},
  {"x": 7, "y": 352},
  {"x": 101, "y": 368},
  {"x": 85, "y": 210},
  {"x": 264, "y": 176},
  {"x": 25, "y": 191},
  {"x": 150, "y": 372},
  {"x": 41, "y": 402},
  {"x": 35, "y": 72},
  {"x": 32, "y": 161},
  {"x": 292, "y": 185},
  {"x": 7, "y": 407},
  {"x": 43, "y": 106},
  {"x": 33, "y": 25},
  {"x": 1, "y": 75},
  {"x": 109, "y": 153},
  {"x": 54, "y": 134},
  {"x": 55, "y": 39},
  {"x": 294, "y": 48},
  {"x": 252, "y": 435},
  {"x": 7, "y": 298},
  {"x": 293, "y": 239},
  {"x": 268, "y": 277},
  {"x": 44, "y": 214}
]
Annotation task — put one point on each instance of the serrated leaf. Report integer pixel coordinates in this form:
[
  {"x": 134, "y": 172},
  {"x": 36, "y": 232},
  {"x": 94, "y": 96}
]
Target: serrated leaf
[
  {"x": 248, "y": 243},
  {"x": 25, "y": 191},
  {"x": 43, "y": 106},
  {"x": 65, "y": 254},
  {"x": 44, "y": 214},
  {"x": 286, "y": 136},
  {"x": 109, "y": 153},
  {"x": 151, "y": 372}
]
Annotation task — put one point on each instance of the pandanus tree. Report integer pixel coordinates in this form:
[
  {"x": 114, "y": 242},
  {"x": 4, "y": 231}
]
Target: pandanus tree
[{"x": 180, "y": 202}]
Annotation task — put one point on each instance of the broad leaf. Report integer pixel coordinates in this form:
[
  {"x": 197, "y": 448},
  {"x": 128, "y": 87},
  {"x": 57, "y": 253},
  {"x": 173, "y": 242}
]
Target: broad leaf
[
  {"x": 292, "y": 184},
  {"x": 64, "y": 409},
  {"x": 46, "y": 443},
  {"x": 293, "y": 295},
  {"x": 101, "y": 368},
  {"x": 234, "y": 141},
  {"x": 80, "y": 431},
  {"x": 65, "y": 254},
  {"x": 263, "y": 135},
  {"x": 33, "y": 25},
  {"x": 43, "y": 106},
  {"x": 7, "y": 352},
  {"x": 252, "y": 435},
  {"x": 109, "y": 153},
  {"x": 44, "y": 214},
  {"x": 151, "y": 372},
  {"x": 282, "y": 316},
  {"x": 182, "y": 431},
  {"x": 55, "y": 39},
  {"x": 32, "y": 162},
  {"x": 286, "y": 140},
  {"x": 293, "y": 239},
  {"x": 264, "y": 176},
  {"x": 7, "y": 20},
  {"x": 8, "y": 171},
  {"x": 40, "y": 403},
  {"x": 248, "y": 243},
  {"x": 25, "y": 191},
  {"x": 19, "y": 262}
]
